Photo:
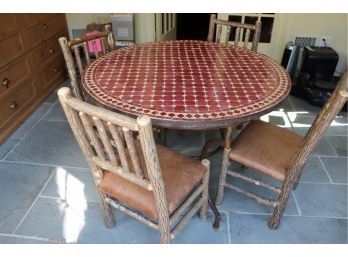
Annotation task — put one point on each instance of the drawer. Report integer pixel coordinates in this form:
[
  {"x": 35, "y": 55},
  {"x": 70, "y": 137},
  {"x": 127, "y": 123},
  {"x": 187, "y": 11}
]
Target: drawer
[
  {"x": 44, "y": 53},
  {"x": 28, "y": 19},
  {"x": 10, "y": 48},
  {"x": 8, "y": 23},
  {"x": 51, "y": 71},
  {"x": 42, "y": 31},
  {"x": 11, "y": 76},
  {"x": 15, "y": 104}
]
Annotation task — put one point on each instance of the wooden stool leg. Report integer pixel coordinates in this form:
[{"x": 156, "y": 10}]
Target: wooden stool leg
[
  {"x": 283, "y": 198},
  {"x": 224, "y": 166},
  {"x": 205, "y": 193},
  {"x": 222, "y": 178},
  {"x": 106, "y": 211}
]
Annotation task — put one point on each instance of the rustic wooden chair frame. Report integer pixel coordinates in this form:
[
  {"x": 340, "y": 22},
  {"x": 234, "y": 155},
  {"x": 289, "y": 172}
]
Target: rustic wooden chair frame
[
  {"x": 76, "y": 59},
  {"x": 216, "y": 25},
  {"x": 116, "y": 131},
  {"x": 320, "y": 124}
]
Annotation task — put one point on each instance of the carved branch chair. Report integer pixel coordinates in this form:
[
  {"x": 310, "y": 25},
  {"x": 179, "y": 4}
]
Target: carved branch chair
[
  {"x": 149, "y": 182},
  {"x": 215, "y": 27},
  {"x": 278, "y": 153},
  {"x": 75, "y": 61},
  {"x": 242, "y": 32}
]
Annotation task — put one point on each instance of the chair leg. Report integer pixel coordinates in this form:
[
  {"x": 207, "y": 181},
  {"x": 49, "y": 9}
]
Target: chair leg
[
  {"x": 283, "y": 198},
  {"x": 164, "y": 230},
  {"x": 106, "y": 211},
  {"x": 222, "y": 178},
  {"x": 205, "y": 193}
]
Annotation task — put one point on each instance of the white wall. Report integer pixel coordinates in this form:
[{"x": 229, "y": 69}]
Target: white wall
[
  {"x": 333, "y": 25},
  {"x": 80, "y": 20},
  {"x": 143, "y": 29}
]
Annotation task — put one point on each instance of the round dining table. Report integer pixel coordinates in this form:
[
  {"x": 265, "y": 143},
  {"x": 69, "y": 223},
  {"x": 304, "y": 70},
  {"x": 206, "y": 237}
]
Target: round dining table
[{"x": 188, "y": 84}]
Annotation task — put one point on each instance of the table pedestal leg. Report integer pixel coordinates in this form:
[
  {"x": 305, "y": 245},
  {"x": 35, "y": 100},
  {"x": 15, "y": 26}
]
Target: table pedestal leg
[
  {"x": 217, "y": 214},
  {"x": 226, "y": 143}
]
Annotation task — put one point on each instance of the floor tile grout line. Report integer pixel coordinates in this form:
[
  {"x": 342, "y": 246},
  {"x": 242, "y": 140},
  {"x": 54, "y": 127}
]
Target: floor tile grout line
[
  {"x": 44, "y": 164},
  {"x": 326, "y": 171},
  {"x": 288, "y": 215},
  {"x": 296, "y": 203},
  {"x": 25, "y": 135},
  {"x": 332, "y": 147},
  {"x": 46, "y": 113},
  {"x": 229, "y": 236},
  {"x": 58, "y": 198},
  {"x": 324, "y": 183},
  {"x": 65, "y": 121},
  {"x": 14, "y": 146},
  {"x": 37, "y": 238},
  {"x": 291, "y": 103},
  {"x": 33, "y": 203}
]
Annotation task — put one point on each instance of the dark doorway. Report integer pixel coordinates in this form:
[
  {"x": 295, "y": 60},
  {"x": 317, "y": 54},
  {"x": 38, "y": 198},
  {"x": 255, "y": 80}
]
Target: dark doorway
[{"x": 193, "y": 26}]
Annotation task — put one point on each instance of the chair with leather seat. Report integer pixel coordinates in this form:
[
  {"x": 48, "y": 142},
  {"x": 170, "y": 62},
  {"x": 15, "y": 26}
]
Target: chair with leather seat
[
  {"x": 149, "y": 182},
  {"x": 80, "y": 52},
  {"x": 242, "y": 32},
  {"x": 277, "y": 153}
]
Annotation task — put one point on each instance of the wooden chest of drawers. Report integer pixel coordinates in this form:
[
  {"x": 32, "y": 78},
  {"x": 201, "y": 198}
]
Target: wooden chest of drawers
[{"x": 31, "y": 64}]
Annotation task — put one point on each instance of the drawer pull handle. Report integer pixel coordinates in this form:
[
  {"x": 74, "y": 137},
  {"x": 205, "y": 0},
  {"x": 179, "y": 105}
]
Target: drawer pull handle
[
  {"x": 56, "y": 69},
  {"x": 13, "y": 105},
  {"x": 51, "y": 51},
  {"x": 6, "y": 82},
  {"x": 44, "y": 26}
]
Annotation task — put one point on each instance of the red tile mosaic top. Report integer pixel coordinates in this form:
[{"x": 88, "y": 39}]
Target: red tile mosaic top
[{"x": 187, "y": 81}]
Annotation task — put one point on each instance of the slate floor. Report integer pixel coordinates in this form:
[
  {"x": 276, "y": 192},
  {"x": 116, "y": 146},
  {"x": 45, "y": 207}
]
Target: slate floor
[{"x": 47, "y": 194}]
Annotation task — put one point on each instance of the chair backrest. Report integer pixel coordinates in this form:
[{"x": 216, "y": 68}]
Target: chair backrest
[
  {"x": 243, "y": 29},
  {"x": 322, "y": 122},
  {"x": 82, "y": 57},
  {"x": 107, "y": 141}
]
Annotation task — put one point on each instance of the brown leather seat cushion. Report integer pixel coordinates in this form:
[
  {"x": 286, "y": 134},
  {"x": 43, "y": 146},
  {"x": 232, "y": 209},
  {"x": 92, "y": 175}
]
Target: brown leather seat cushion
[
  {"x": 180, "y": 174},
  {"x": 266, "y": 148}
]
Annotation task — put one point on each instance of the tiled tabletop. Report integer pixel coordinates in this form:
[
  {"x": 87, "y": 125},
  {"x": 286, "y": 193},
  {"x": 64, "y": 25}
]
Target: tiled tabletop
[{"x": 192, "y": 84}]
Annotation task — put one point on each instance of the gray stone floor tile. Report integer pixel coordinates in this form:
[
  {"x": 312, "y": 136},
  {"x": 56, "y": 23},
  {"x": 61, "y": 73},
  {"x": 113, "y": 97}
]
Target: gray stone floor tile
[
  {"x": 72, "y": 185},
  {"x": 302, "y": 123},
  {"x": 322, "y": 200},
  {"x": 50, "y": 218},
  {"x": 304, "y": 107},
  {"x": 4, "y": 239},
  {"x": 7, "y": 146},
  {"x": 31, "y": 121},
  {"x": 339, "y": 127},
  {"x": 337, "y": 168},
  {"x": 314, "y": 171},
  {"x": 184, "y": 139},
  {"x": 57, "y": 220},
  {"x": 286, "y": 105},
  {"x": 339, "y": 144},
  {"x": 19, "y": 186},
  {"x": 278, "y": 118},
  {"x": 202, "y": 232},
  {"x": 56, "y": 113},
  {"x": 236, "y": 202},
  {"x": 52, "y": 98},
  {"x": 299, "y": 230},
  {"x": 324, "y": 148},
  {"x": 50, "y": 143}
]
